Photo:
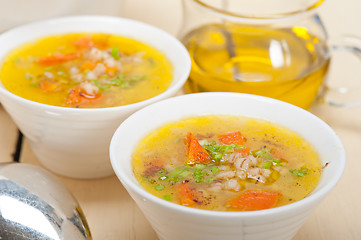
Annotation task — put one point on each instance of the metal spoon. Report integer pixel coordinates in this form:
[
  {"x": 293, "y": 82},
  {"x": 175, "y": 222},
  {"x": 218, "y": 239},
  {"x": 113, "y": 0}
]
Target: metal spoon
[{"x": 34, "y": 204}]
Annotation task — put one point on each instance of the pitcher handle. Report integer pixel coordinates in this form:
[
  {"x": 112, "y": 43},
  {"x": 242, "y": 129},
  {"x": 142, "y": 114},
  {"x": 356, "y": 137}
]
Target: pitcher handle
[{"x": 337, "y": 97}]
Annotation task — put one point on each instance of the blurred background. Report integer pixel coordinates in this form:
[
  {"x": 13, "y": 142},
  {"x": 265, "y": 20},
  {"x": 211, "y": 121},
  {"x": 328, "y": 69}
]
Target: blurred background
[
  {"x": 340, "y": 17},
  {"x": 16, "y": 12}
]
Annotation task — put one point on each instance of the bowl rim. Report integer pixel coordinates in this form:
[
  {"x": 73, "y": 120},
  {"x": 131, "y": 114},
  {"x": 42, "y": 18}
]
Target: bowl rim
[
  {"x": 313, "y": 197},
  {"x": 175, "y": 86}
]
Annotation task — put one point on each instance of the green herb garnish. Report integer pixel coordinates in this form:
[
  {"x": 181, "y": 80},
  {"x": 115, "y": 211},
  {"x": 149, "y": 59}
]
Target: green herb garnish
[
  {"x": 276, "y": 160},
  {"x": 48, "y": 69},
  {"x": 159, "y": 187},
  {"x": 270, "y": 161},
  {"x": 267, "y": 164},
  {"x": 217, "y": 151},
  {"x": 28, "y": 76},
  {"x": 299, "y": 173},
  {"x": 264, "y": 153},
  {"x": 119, "y": 80},
  {"x": 200, "y": 166},
  {"x": 62, "y": 74},
  {"x": 198, "y": 173},
  {"x": 214, "y": 170},
  {"x": 185, "y": 174},
  {"x": 102, "y": 87},
  {"x": 168, "y": 197},
  {"x": 135, "y": 79},
  {"x": 126, "y": 81},
  {"x": 115, "y": 53}
]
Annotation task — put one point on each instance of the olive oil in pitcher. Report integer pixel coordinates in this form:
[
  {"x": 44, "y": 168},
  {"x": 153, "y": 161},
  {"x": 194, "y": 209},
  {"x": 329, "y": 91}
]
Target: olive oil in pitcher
[{"x": 287, "y": 64}]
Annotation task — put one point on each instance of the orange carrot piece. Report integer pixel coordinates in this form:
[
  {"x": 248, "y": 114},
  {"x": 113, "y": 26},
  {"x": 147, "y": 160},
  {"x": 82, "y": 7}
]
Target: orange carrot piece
[
  {"x": 196, "y": 153},
  {"x": 48, "y": 86},
  {"x": 83, "y": 42},
  {"x": 244, "y": 151},
  {"x": 232, "y": 138},
  {"x": 73, "y": 97},
  {"x": 88, "y": 65},
  {"x": 276, "y": 154},
  {"x": 57, "y": 59},
  {"x": 78, "y": 96},
  {"x": 255, "y": 200},
  {"x": 111, "y": 70},
  {"x": 186, "y": 194}
]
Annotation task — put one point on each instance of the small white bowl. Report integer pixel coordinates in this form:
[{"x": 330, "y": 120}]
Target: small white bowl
[
  {"x": 176, "y": 222},
  {"x": 75, "y": 142}
]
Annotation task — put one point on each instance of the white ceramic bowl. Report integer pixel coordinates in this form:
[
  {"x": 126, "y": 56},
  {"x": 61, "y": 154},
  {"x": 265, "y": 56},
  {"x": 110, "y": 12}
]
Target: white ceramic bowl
[
  {"x": 75, "y": 142},
  {"x": 176, "y": 222}
]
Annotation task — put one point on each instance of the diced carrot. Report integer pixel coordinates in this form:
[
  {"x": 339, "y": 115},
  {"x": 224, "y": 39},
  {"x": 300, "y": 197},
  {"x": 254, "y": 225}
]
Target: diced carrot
[
  {"x": 232, "y": 138},
  {"x": 88, "y": 65},
  {"x": 83, "y": 42},
  {"x": 49, "y": 87},
  {"x": 57, "y": 59},
  {"x": 255, "y": 200},
  {"x": 244, "y": 151},
  {"x": 186, "y": 194},
  {"x": 276, "y": 154},
  {"x": 78, "y": 96},
  {"x": 73, "y": 97},
  {"x": 196, "y": 153},
  {"x": 111, "y": 70}
]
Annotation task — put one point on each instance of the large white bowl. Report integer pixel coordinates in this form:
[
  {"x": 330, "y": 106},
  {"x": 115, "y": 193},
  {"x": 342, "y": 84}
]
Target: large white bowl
[
  {"x": 74, "y": 142},
  {"x": 176, "y": 222}
]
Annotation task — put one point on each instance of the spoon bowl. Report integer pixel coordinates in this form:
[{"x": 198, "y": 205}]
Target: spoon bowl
[{"x": 34, "y": 204}]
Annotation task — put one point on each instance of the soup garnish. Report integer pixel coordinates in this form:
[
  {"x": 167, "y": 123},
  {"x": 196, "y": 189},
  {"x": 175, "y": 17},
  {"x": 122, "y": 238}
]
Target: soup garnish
[
  {"x": 86, "y": 70},
  {"x": 226, "y": 163}
]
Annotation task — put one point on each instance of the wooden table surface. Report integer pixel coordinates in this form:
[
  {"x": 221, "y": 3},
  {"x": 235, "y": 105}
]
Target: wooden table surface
[{"x": 112, "y": 214}]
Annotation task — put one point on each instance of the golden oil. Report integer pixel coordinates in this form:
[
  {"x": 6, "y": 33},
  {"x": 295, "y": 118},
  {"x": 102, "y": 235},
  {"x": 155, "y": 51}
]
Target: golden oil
[{"x": 287, "y": 64}]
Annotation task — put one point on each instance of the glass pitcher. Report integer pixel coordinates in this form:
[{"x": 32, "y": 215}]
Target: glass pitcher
[{"x": 276, "y": 48}]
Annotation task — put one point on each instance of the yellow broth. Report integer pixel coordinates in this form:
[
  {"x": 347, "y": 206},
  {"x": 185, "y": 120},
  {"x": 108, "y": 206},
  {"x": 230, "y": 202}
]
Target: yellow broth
[
  {"x": 86, "y": 70},
  {"x": 160, "y": 163}
]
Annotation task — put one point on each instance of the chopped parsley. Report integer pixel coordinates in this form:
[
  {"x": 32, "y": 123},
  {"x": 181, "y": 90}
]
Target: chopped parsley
[
  {"x": 115, "y": 53},
  {"x": 159, "y": 187},
  {"x": 168, "y": 197},
  {"x": 217, "y": 151},
  {"x": 299, "y": 173},
  {"x": 102, "y": 87},
  {"x": 269, "y": 160},
  {"x": 198, "y": 173}
]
